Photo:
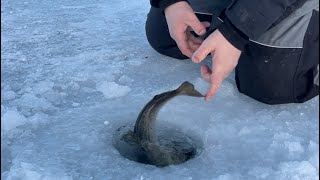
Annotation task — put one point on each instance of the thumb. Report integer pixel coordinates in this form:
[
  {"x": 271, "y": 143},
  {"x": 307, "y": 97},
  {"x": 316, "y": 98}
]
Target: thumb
[{"x": 197, "y": 26}]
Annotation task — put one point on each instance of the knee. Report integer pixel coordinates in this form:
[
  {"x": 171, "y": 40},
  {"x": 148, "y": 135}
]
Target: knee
[{"x": 275, "y": 81}]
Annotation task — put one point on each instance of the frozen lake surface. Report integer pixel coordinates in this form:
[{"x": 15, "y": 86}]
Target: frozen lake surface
[{"x": 74, "y": 71}]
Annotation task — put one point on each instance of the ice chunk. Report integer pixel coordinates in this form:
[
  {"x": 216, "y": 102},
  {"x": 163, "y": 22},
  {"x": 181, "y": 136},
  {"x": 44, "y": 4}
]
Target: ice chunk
[
  {"x": 16, "y": 86},
  {"x": 228, "y": 176},
  {"x": 313, "y": 146},
  {"x": 43, "y": 86},
  {"x": 32, "y": 175},
  {"x": 314, "y": 160},
  {"x": 8, "y": 95},
  {"x": 282, "y": 136},
  {"x": 113, "y": 90},
  {"x": 11, "y": 119},
  {"x": 314, "y": 151},
  {"x": 73, "y": 86},
  {"x": 74, "y": 104},
  {"x": 125, "y": 79},
  {"x": 53, "y": 97},
  {"x": 260, "y": 172},
  {"x": 245, "y": 130},
  {"x": 31, "y": 104},
  {"x": 87, "y": 89},
  {"x": 38, "y": 119},
  {"x": 296, "y": 170},
  {"x": 3, "y": 109},
  {"x": 285, "y": 115},
  {"x": 288, "y": 144},
  {"x": 294, "y": 147},
  {"x": 106, "y": 123}
]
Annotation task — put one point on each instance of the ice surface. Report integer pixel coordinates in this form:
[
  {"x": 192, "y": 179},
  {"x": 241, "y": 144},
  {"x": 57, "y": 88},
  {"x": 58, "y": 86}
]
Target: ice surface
[{"x": 74, "y": 71}]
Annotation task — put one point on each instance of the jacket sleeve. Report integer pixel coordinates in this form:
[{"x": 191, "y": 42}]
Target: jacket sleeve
[
  {"x": 254, "y": 17},
  {"x": 233, "y": 34},
  {"x": 248, "y": 19}
]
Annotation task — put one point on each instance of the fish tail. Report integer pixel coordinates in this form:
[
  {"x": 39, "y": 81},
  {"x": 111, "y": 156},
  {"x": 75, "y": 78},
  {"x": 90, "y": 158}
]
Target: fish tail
[{"x": 188, "y": 89}]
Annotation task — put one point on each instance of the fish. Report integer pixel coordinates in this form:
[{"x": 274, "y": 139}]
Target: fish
[{"x": 140, "y": 143}]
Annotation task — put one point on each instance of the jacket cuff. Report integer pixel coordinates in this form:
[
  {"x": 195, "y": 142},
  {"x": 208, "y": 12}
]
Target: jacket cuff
[{"x": 233, "y": 35}]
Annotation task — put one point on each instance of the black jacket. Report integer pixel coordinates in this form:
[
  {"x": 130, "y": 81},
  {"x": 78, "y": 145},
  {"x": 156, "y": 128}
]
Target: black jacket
[{"x": 247, "y": 19}]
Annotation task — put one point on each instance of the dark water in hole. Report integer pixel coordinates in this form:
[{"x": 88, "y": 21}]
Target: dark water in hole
[{"x": 174, "y": 147}]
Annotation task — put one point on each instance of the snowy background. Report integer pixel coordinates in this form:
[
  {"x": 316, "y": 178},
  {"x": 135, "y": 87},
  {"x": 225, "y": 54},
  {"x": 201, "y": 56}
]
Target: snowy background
[{"x": 74, "y": 71}]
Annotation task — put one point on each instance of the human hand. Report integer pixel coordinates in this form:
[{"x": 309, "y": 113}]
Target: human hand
[
  {"x": 181, "y": 20},
  {"x": 225, "y": 58}
]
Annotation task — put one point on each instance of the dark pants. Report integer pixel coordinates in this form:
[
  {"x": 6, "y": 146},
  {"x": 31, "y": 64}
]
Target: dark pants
[{"x": 267, "y": 74}]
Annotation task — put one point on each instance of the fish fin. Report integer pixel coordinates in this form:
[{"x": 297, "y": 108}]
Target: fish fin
[{"x": 186, "y": 88}]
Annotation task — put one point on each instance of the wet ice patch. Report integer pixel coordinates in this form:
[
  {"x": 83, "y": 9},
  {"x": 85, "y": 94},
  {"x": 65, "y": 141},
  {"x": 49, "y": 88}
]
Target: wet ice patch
[
  {"x": 12, "y": 119},
  {"x": 113, "y": 90}
]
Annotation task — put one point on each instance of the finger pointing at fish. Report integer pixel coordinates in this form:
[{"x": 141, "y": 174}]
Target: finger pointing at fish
[{"x": 224, "y": 59}]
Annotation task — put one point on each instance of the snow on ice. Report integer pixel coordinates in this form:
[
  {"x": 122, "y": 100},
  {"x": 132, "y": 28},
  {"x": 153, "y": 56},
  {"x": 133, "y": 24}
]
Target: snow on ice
[
  {"x": 74, "y": 71},
  {"x": 113, "y": 90}
]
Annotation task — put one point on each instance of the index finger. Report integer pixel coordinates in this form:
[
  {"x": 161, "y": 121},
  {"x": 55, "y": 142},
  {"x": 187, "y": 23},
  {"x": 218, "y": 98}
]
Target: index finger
[
  {"x": 216, "y": 81},
  {"x": 212, "y": 91}
]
